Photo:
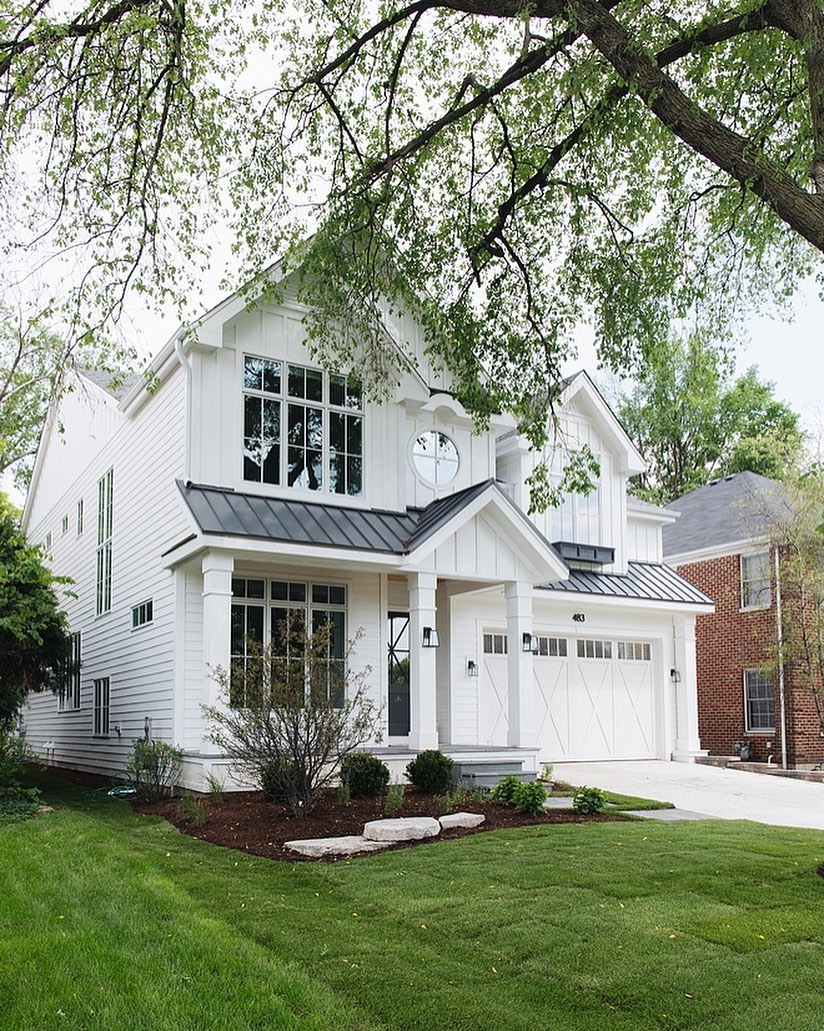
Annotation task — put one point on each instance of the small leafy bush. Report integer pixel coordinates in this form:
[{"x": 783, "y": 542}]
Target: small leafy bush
[
  {"x": 589, "y": 800},
  {"x": 154, "y": 767},
  {"x": 546, "y": 772},
  {"x": 15, "y": 807},
  {"x": 530, "y": 797},
  {"x": 276, "y": 780},
  {"x": 343, "y": 793},
  {"x": 364, "y": 774},
  {"x": 14, "y": 753},
  {"x": 394, "y": 799},
  {"x": 505, "y": 791},
  {"x": 431, "y": 771},
  {"x": 215, "y": 786}
]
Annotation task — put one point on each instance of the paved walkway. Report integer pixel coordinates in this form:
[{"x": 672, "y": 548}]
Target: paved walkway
[{"x": 709, "y": 790}]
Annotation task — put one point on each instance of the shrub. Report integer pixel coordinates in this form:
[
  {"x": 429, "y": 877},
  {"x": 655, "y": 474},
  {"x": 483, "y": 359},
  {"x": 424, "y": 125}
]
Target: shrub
[
  {"x": 530, "y": 797},
  {"x": 13, "y": 754},
  {"x": 394, "y": 799},
  {"x": 215, "y": 786},
  {"x": 288, "y": 726},
  {"x": 16, "y": 806},
  {"x": 154, "y": 767},
  {"x": 343, "y": 794},
  {"x": 431, "y": 771},
  {"x": 546, "y": 772},
  {"x": 275, "y": 780},
  {"x": 364, "y": 774},
  {"x": 589, "y": 800},
  {"x": 505, "y": 791}
]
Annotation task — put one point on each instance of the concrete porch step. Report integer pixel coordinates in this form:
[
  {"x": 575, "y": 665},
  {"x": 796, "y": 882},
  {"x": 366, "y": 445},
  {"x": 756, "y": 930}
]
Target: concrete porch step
[{"x": 489, "y": 774}]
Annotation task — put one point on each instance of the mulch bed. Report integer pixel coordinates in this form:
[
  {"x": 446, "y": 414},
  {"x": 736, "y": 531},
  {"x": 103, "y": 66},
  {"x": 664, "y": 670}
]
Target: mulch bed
[{"x": 247, "y": 822}]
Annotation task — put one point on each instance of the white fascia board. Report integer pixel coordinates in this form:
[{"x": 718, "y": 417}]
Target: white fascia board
[
  {"x": 745, "y": 546},
  {"x": 659, "y": 516},
  {"x": 614, "y": 602},
  {"x": 521, "y": 535},
  {"x": 632, "y": 462},
  {"x": 286, "y": 552}
]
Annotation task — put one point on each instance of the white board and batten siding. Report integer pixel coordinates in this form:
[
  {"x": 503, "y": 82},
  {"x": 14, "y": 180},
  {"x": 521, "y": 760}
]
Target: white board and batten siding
[{"x": 146, "y": 454}]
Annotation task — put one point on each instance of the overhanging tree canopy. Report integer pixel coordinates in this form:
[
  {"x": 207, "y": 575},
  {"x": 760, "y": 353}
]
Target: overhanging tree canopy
[{"x": 525, "y": 165}]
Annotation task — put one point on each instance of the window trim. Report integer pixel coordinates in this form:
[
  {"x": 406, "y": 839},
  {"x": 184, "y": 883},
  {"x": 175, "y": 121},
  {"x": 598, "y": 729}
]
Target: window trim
[
  {"x": 148, "y": 610},
  {"x": 105, "y": 532},
  {"x": 747, "y": 584},
  {"x": 757, "y": 672},
  {"x": 69, "y": 689}
]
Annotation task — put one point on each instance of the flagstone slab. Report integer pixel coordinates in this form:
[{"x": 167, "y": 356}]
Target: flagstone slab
[
  {"x": 461, "y": 820},
  {"x": 350, "y": 845},
  {"x": 405, "y": 828}
]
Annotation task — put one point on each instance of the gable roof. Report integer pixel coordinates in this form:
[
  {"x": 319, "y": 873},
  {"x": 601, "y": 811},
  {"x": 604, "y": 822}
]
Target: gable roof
[
  {"x": 581, "y": 383},
  {"x": 726, "y": 511}
]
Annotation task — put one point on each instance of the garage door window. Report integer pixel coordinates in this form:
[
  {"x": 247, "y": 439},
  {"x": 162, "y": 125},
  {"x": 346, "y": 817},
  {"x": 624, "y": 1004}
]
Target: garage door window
[
  {"x": 552, "y": 646},
  {"x": 495, "y": 644},
  {"x": 589, "y": 649},
  {"x": 636, "y": 651}
]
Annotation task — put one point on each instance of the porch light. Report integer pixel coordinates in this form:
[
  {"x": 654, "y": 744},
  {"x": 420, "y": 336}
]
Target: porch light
[
  {"x": 471, "y": 668},
  {"x": 675, "y": 676},
  {"x": 530, "y": 643},
  {"x": 430, "y": 637}
]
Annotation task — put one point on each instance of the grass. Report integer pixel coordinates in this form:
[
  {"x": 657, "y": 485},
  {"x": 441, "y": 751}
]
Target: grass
[
  {"x": 615, "y": 802},
  {"x": 109, "y": 919}
]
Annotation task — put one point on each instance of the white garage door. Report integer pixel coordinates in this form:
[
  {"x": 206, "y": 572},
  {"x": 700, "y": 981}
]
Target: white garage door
[{"x": 594, "y": 699}]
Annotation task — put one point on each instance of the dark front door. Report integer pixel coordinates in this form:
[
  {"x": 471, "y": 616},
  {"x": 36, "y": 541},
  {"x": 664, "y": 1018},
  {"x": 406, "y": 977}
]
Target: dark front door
[{"x": 398, "y": 674}]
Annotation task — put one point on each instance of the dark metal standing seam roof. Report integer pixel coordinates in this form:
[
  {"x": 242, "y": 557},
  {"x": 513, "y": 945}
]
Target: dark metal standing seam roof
[{"x": 643, "y": 580}]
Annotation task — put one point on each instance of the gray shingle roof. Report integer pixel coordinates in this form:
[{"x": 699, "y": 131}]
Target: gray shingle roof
[
  {"x": 725, "y": 511},
  {"x": 647, "y": 581},
  {"x": 106, "y": 381}
]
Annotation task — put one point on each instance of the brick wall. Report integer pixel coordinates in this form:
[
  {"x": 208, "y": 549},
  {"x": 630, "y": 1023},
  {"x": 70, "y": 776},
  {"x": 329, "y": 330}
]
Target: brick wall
[{"x": 728, "y": 642}]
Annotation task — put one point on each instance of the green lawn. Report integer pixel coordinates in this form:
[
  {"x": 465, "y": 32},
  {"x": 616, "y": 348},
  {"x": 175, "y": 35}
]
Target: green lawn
[{"x": 110, "y": 920}]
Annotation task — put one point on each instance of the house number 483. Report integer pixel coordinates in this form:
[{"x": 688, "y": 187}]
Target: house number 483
[{"x": 578, "y": 617}]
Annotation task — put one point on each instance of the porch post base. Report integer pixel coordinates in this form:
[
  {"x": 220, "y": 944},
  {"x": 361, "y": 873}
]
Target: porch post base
[
  {"x": 688, "y": 755},
  {"x": 423, "y": 740}
]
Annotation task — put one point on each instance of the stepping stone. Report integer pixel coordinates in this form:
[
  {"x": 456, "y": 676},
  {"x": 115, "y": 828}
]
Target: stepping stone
[
  {"x": 408, "y": 828},
  {"x": 561, "y": 802},
  {"x": 350, "y": 845},
  {"x": 461, "y": 820}
]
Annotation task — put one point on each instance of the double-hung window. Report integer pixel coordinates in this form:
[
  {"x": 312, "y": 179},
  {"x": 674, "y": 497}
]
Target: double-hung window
[
  {"x": 756, "y": 590},
  {"x": 302, "y": 428},
  {"x": 105, "y": 526},
  {"x": 102, "y": 700},
  {"x": 759, "y": 701}
]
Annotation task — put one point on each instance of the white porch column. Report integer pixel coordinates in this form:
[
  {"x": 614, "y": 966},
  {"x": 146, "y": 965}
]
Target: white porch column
[
  {"x": 687, "y": 742},
  {"x": 521, "y": 732},
  {"x": 423, "y": 731},
  {"x": 217, "y": 615}
]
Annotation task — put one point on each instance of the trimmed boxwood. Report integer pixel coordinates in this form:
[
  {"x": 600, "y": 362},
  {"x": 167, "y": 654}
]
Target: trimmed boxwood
[
  {"x": 364, "y": 775},
  {"x": 431, "y": 771}
]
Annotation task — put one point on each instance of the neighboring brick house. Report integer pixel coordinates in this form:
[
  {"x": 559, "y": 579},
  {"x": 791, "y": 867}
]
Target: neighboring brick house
[{"x": 721, "y": 544}]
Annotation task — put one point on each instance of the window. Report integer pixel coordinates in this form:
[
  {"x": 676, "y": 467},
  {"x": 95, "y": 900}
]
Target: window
[
  {"x": 68, "y": 689},
  {"x": 578, "y": 517},
  {"x": 142, "y": 614},
  {"x": 759, "y": 701},
  {"x": 79, "y": 517},
  {"x": 64, "y": 526},
  {"x": 48, "y": 541},
  {"x": 105, "y": 525},
  {"x": 552, "y": 647},
  {"x": 435, "y": 458},
  {"x": 302, "y": 428},
  {"x": 637, "y": 651},
  {"x": 278, "y": 613},
  {"x": 756, "y": 591},
  {"x": 495, "y": 644},
  {"x": 101, "y": 706},
  {"x": 588, "y": 649}
]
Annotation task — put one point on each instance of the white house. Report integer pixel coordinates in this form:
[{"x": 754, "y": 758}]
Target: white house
[{"x": 238, "y": 480}]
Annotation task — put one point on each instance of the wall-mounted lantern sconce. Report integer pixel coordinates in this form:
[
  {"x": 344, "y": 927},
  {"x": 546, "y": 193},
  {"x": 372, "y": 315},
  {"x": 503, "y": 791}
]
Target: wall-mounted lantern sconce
[
  {"x": 430, "y": 637},
  {"x": 675, "y": 676},
  {"x": 530, "y": 643},
  {"x": 471, "y": 668}
]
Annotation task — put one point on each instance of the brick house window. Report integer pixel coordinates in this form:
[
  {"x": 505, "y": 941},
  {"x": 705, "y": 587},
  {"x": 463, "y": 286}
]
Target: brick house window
[
  {"x": 756, "y": 590},
  {"x": 759, "y": 701}
]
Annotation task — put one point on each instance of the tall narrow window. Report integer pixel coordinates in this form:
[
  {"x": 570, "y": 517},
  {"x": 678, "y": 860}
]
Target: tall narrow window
[
  {"x": 79, "y": 517},
  {"x": 759, "y": 701},
  {"x": 105, "y": 526},
  {"x": 68, "y": 691},
  {"x": 101, "y": 706}
]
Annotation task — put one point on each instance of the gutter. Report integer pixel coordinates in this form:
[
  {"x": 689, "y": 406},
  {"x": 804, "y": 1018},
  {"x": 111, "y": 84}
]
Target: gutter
[{"x": 780, "y": 640}]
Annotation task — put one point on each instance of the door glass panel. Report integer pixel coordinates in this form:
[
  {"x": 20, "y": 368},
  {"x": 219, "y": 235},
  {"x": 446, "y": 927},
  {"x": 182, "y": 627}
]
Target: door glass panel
[{"x": 398, "y": 674}]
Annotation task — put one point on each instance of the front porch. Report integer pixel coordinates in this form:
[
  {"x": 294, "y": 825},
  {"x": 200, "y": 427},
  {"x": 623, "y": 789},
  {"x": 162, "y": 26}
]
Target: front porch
[{"x": 474, "y": 764}]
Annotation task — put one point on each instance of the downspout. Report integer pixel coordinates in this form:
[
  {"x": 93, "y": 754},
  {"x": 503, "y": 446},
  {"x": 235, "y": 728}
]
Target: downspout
[
  {"x": 187, "y": 369},
  {"x": 780, "y": 637}
]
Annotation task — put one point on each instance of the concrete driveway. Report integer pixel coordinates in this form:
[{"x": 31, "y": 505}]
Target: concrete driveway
[{"x": 710, "y": 790}]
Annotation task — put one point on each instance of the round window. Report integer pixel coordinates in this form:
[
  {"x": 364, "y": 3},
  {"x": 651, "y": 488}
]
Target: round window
[{"x": 435, "y": 457}]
